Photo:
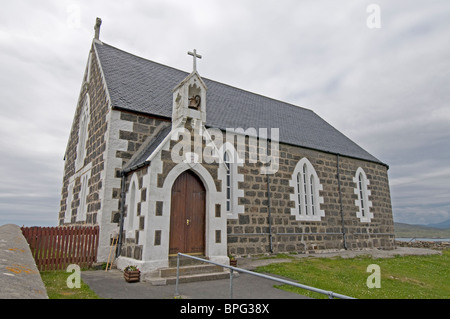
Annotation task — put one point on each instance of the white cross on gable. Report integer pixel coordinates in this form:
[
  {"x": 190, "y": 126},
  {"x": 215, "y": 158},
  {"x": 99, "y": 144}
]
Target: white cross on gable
[{"x": 195, "y": 56}]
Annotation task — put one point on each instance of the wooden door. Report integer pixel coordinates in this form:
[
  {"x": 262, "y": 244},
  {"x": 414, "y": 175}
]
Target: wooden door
[{"x": 187, "y": 215}]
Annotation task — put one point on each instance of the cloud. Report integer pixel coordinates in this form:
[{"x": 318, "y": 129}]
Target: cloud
[{"x": 387, "y": 88}]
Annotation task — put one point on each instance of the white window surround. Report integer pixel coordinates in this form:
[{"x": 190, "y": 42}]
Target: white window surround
[
  {"x": 306, "y": 184},
  {"x": 234, "y": 162},
  {"x": 68, "y": 213},
  {"x": 88, "y": 71},
  {"x": 83, "y": 133},
  {"x": 363, "y": 203},
  {"x": 84, "y": 192},
  {"x": 229, "y": 180},
  {"x": 132, "y": 199}
]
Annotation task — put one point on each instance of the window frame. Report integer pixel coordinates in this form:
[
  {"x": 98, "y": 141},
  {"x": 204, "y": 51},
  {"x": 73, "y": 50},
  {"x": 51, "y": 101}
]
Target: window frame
[
  {"x": 69, "y": 200},
  {"x": 228, "y": 181},
  {"x": 132, "y": 200},
  {"x": 362, "y": 192},
  {"x": 306, "y": 195},
  {"x": 235, "y": 178},
  {"x": 83, "y": 133},
  {"x": 82, "y": 196}
]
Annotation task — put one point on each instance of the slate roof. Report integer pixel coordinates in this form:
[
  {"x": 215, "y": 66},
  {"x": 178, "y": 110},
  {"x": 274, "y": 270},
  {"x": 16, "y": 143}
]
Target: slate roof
[
  {"x": 144, "y": 86},
  {"x": 150, "y": 144}
]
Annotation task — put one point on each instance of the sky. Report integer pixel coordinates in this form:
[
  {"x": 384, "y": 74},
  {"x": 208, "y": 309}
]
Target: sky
[{"x": 378, "y": 71}]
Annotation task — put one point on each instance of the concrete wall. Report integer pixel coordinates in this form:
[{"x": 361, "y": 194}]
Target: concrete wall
[{"x": 19, "y": 276}]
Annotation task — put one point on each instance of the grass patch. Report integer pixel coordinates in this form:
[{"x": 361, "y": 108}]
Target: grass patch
[
  {"x": 412, "y": 277},
  {"x": 56, "y": 284}
]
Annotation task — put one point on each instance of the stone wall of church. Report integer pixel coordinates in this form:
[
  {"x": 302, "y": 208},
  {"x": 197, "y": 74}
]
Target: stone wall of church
[
  {"x": 145, "y": 240},
  {"x": 250, "y": 233},
  {"x": 95, "y": 148},
  {"x": 139, "y": 128},
  {"x": 119, "y": 133},
  {"x": 132, "y": 245}
]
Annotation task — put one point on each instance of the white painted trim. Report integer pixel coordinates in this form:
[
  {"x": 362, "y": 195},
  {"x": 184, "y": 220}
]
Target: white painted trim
[
  {"x": 83, "y": 132},
  {"x": 105, "y": 86},
  {"x": 131, "y": 221},
  {"x": 69, "y": 199},
  {"x": 82, "y": 195},
  {"x": 110, "y": 181},
  {"x": 155, "y": 256},
  {"x": 368, "y": 215},
  {"x": 83, "y": 171},
  {"x": 300, "y": 214},
  {"x": 236, "y": 177}
]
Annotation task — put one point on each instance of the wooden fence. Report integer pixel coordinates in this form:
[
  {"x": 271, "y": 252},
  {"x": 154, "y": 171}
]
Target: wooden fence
[{"x": 54, "y": 248}]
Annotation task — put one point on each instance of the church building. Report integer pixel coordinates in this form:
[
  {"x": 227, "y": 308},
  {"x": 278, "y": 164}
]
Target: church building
[{"x": 167, "y": 161}]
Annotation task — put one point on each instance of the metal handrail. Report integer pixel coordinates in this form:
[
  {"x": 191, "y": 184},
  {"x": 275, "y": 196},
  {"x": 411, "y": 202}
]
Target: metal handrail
[{"x": 330, "y": 294}]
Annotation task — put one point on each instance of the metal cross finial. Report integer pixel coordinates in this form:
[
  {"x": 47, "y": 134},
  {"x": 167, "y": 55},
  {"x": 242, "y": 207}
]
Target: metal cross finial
[{"x": 195, "y": 55}]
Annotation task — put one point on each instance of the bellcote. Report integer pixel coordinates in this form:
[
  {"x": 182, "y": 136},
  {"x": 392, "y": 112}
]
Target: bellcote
[{"x": 189, "y": 98}]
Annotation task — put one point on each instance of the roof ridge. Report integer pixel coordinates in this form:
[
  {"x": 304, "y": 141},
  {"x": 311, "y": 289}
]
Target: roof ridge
[
  {"x": 141, "y": 85},
  {"x": 142, "y": 58},
  {"x": 208, "y": 79}
]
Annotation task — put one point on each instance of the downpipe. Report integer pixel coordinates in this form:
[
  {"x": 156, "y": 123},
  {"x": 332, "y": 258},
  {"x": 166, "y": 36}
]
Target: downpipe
[
  {"x": 270, "y": 216},
  {"x": 122, "y": 212},
  {"x": 340, "y": 203}
]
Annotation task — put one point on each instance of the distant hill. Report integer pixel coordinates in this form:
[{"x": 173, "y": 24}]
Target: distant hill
[
  {"x": 442, "y": 225},
  {"x": 408, "y": 230}
]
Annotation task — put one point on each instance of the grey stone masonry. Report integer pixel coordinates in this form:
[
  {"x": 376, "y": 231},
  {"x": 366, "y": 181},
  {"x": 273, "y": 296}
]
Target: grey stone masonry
[
  {"x": 250, "y": 233},
  {"x": 95, "y": 148}
]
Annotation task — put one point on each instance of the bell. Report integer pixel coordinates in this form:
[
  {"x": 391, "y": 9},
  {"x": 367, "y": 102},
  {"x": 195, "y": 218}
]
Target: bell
[{"x": 194, "y": 102}]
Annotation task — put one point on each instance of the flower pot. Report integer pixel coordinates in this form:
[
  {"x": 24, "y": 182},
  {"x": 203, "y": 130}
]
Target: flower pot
[
  {"x": 233, "y": 262},
  {"x": 132, "y": 275}
]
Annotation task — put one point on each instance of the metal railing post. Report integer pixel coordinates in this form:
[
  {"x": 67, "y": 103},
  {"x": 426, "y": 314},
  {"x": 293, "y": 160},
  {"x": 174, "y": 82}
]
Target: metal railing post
[
  {"x": 178, "y": 275},
  {"x": 331, "y": 294},
  {"x": 231, "y": 283}
]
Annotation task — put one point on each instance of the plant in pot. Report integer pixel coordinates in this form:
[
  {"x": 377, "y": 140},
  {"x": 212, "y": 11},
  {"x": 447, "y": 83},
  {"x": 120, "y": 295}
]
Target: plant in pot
[
  {"x": 233, "y": 260},
  {"x": 131, "y": 274}
]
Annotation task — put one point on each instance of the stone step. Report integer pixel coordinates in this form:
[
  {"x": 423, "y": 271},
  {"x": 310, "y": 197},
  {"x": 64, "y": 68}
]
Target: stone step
[
  {"x": 185, "y": 261},
  {"x": 198, "y": 277},
  {"x": 190, "y": 270},
  {"x": 192, "y": 278},
  {"x": 190, "y": 273}
]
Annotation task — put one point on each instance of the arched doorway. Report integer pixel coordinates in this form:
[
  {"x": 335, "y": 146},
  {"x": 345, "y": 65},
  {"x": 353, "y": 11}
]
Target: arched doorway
[{"x": 187, "y": 215}]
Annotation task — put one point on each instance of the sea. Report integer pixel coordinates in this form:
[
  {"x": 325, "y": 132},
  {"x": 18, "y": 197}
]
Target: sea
[{"x": 422, "y": 239}]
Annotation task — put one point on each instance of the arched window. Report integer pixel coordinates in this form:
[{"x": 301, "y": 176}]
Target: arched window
[
  {"x": 363, "y": 203},
  {"x": 311, "y": 187},
  {"x": 132, "y": 206},
  {"x": 226, "y": 160},
  {"x": 84, "y": 192},
  {"x": 299, "y": 190},
  {"x": 306, "y": 188},
  {"x": 362, "y": 196},
  {"x": 228, "y": 174},
  {"x": 131, "y": 222},
  {"x": 68, "y": 214},
  {"x": 304, "y": 206},
  {"x": 83, "y": 133}
]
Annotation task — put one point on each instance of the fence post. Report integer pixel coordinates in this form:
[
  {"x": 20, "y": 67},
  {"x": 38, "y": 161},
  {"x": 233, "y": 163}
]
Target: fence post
[{"x": 55, "y": 247}]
